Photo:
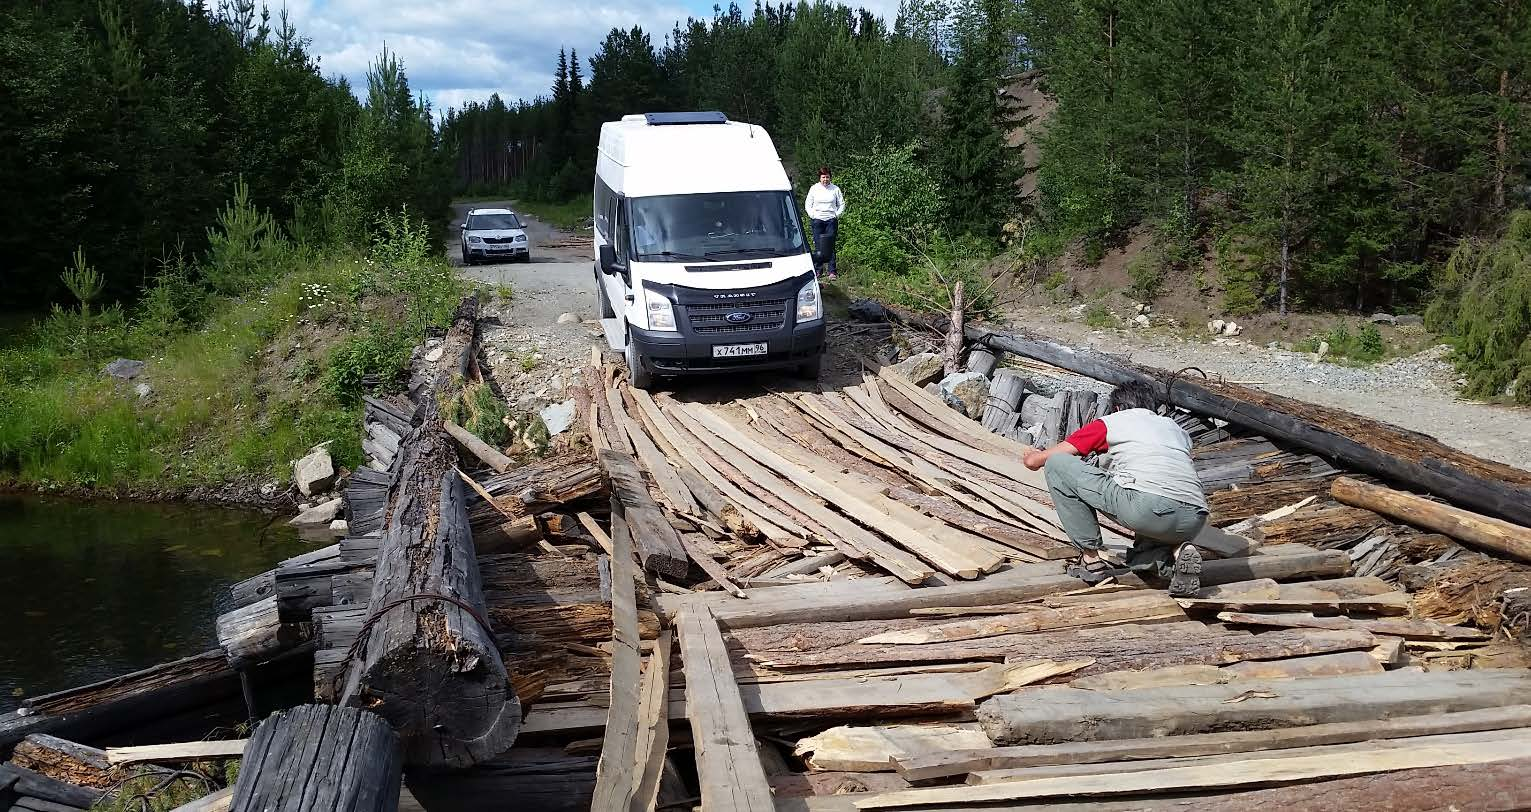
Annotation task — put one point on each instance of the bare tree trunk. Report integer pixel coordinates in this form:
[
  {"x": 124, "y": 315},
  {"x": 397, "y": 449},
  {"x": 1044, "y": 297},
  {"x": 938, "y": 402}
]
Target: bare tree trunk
[
  {"x": 1286, "y": 261},
  {"x": 951, "y": 355},
  {"x": 1501, "y": 143}
]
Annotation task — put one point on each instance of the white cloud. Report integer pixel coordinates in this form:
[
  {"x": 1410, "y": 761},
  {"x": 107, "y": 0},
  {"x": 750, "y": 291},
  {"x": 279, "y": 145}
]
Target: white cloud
[
  {"x": 458, "y": 50},
  {"x": 463, "y": 50}
]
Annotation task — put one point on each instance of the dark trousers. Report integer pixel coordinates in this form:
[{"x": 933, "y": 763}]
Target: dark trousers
[{"x": 824, "y": 232}]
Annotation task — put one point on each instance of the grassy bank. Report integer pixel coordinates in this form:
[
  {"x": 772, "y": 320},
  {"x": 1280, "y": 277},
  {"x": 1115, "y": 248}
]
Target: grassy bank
[
  {"x": 241, "y": 375},
  {"x": 568, "y": 215}
]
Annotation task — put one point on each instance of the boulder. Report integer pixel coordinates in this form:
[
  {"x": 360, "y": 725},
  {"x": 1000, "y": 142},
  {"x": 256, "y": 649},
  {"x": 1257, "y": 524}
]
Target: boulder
[
  {"x": 921, "y": 369},
  {"x": 1232, "y": 329},
  {"x": 1409, "y": 321},
  {"x": 1215, "y": 326},
  {"x": 1383, "y": 318},
  {"x": 1323, "y": 350},
  {"x": 867, "y": 310},
  {"x": 143, "y": 389},
  {"x": 124, "y": 369},
  {"x": 558, "y": 417},
  {"x": 568, "y": 318},
  {"x": 1140, "y": 320},
  {"x": 319, "y": 515},
  {"x": 969, "y": 389},
  {"x": 314, "y": 473},
  {"x": 340, "y": 527}
]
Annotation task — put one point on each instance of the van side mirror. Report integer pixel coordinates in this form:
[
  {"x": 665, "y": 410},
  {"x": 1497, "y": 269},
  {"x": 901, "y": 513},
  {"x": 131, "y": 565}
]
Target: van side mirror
[{"x": 608, "y": 259}]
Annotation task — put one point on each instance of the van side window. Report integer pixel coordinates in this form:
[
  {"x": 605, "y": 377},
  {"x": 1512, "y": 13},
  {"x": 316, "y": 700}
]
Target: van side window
[
  {"x": 605, "y": 209},
  {"x": 618, "y": 238}
]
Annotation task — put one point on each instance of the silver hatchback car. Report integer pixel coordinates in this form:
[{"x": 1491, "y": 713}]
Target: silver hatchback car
[{"x": 494, "y": 235}]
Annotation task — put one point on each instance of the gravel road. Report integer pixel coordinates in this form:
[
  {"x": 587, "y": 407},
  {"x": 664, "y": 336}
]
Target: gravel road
[
  {"x": 531, "y": 352},
  {"x": 1417, "y": 392}
]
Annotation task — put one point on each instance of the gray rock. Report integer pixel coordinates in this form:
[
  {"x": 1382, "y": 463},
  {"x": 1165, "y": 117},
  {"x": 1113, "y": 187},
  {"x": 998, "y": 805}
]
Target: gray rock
[
  {"x": 1141, "y": 320},
  {"x": 1383, "y": 318},
  {"x": 340, "y": 527},
  {"x": 558, "y": 417},
  {"x": 1409, "y": 321},
  {"x": 314, "y": 473},
  {"x": 867, "y": 310},
  {"x": 968, "y": 389},
  {"x": 319, "y": 515},
  {"x": 568, "y": 318},
  {"x": 124, "y": 369},
  {"x": 921, "y": 369},
  {"x": 143, "y": 389}
]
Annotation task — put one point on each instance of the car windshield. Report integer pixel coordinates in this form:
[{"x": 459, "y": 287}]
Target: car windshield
[
  {"x": 490, "y": 222},
  {"x": 719, "y": 226}
]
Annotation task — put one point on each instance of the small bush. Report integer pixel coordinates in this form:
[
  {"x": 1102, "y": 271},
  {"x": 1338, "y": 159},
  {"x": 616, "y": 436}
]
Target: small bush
[
  {"x": 243, "y": 248},
  {"x": 1099, "y": 316},
  {"x": 894, "y": 201},
  {"x": 1146, "y": 270},
  {"x": 1239, "y": 262},
  {"x": 1483, "y": 301}
]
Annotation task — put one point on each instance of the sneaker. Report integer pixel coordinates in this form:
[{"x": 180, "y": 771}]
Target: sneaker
[{"x": 1186, "y": 580}]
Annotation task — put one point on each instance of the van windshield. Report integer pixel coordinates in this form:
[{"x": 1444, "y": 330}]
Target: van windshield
[{"x": 717, "y": 226}]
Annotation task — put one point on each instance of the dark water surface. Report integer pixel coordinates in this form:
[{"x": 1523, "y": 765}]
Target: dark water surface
[{"x": 91, "y": 590}]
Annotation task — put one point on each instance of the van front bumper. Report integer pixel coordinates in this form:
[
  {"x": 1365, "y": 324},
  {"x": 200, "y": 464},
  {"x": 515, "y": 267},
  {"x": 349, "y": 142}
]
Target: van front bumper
[{"x": 680, "y": 354}]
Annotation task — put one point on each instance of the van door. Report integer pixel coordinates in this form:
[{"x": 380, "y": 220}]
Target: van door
[{"x": 619, "y": 284}]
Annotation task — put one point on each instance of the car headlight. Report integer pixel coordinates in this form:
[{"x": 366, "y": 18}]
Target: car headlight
[
  {"x": 520, "y": 238},
  {"x": 478, "y": 240},
  {"x": 661, "y": 313},
  {"x": 809, "y": 306}
]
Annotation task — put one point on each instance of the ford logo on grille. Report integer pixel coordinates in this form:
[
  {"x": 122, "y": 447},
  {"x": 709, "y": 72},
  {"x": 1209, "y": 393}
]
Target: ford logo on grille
[{"x": 739, "y": 318}]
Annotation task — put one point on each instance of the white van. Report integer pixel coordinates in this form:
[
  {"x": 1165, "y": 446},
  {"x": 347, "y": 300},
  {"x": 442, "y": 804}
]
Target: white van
[{"x": 702, "y": 265}]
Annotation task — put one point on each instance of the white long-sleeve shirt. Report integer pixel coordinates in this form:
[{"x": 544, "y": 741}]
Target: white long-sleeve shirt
[{"x": 824, "y": 201}]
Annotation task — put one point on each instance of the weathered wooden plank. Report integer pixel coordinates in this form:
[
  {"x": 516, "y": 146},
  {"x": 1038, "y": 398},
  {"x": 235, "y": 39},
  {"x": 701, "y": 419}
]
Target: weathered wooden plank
[
  {"x": 1070, "y": 714},
  {"x": 658, "y": 545},
  {"x": 219, "y": 801},
  {"x": 653, "y": 727},
  {"x": 1119, "y": 608},
  {"x": 918, "y": 767},
  {"x": 180, "y": 751},
  {"x": 728, "y": 764},
  {"x": 614, "y": 780},
  {"x": 1392, "y": 603},
  {"x": 1233, "y": 774},
  {"x": 1409, "y": 628},
  {"x": 873, "y": 748}
]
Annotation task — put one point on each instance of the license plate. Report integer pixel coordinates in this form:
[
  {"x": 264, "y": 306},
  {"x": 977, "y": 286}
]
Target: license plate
[{"x": 738, "y": 350}]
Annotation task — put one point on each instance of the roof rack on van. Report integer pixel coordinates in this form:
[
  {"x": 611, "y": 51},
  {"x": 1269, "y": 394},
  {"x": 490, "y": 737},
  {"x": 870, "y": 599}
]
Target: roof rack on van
[{"x": 706, "y": 117}]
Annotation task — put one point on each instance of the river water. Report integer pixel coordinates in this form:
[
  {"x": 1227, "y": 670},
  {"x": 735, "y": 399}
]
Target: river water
[{"x": 91, "y": 590}]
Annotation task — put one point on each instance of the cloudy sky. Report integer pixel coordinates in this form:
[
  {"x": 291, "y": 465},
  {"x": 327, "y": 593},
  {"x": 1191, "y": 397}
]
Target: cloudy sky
[{"x": 460, "y": 50}]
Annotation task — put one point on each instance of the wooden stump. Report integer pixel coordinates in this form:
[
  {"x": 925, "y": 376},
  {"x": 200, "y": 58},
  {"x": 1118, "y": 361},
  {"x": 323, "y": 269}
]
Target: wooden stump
[
  {"x": 982, "y": 360},
  {"x": 320, "y": 757},
  {"x": 1005, "y": 392}
]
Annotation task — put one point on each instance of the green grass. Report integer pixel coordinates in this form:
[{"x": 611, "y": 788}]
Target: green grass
[
  {"x": 568, "y": 215},
  {"x": 262, "y": 379}
]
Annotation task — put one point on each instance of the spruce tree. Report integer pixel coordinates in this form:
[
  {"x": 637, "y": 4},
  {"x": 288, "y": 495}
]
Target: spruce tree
[{"x": 977, "y": 168}]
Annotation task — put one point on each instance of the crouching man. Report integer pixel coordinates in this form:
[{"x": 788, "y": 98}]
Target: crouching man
[{"x": 1144, "y": 479}]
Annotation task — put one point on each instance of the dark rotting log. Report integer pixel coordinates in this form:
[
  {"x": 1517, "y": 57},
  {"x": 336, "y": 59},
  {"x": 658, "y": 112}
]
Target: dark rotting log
[
  {"x": 425, "y": 659},
  {"x": 1365, "y": 445},
  {"x": 320, "y": 757},
  {"x": 28, "y": 784}
]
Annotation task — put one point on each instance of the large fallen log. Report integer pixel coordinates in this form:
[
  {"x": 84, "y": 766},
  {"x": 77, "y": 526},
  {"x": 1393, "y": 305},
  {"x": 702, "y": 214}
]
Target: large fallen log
[
  {"x": 426, "y": 659},
  {"x": 1073, "y": 714},
  {"x": 1406, "y": 457},
  {"x": 320, "y": 757},
  {"x": 1479, "y": 531}
]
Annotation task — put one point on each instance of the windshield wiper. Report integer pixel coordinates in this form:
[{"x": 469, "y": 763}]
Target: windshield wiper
[
  {"x": 673, "y": 255},
  {"x": 774, "y": 252}
]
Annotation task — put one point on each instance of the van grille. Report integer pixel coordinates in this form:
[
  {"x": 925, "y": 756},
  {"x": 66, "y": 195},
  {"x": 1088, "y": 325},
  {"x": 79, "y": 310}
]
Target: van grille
[{"x": 712, "y": 319}]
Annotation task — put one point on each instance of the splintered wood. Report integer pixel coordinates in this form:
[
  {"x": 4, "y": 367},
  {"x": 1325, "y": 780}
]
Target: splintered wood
[{"x": 872, "y": 614}]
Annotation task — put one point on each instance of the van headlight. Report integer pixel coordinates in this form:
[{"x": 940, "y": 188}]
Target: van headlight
[
  {"x": 661, "y": 313},
  {"x": 809, "y": 307}
]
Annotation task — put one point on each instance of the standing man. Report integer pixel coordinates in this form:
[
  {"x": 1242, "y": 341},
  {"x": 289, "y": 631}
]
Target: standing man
[
  {"x": 825, "y": 204},
  {"x": 1146, "y": 481}
]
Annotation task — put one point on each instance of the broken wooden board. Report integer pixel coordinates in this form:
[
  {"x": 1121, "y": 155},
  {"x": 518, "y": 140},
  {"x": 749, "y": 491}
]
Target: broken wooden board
[
  {"x": 727, "y": 762},
  {"x": 1233, "y": 774},
  {"x": 1134, "y": 607},
  {"x": 932, "y": 766},
  {"x": 1070, "y": 714},
  {"x": 873, "y": 748}
]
